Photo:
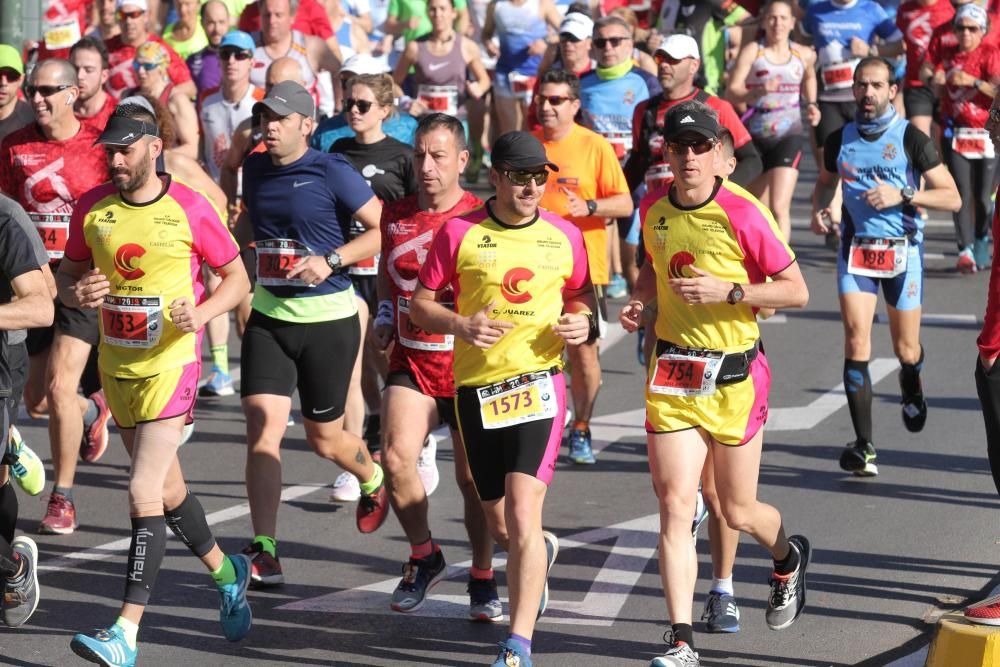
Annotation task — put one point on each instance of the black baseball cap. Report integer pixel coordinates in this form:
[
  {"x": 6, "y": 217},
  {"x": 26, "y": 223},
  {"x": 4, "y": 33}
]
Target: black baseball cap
[
  {"x": 122, "y": 131},
  {"x": 286, "y": 98},
  {"x": 681, "y": 120},
  {"x": 520, "y": 150}
]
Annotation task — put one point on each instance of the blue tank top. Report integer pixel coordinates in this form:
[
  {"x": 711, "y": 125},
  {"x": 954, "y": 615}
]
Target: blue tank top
[
  {"x": 517, "y": 26},
  {"x": 859, "y": 163}
]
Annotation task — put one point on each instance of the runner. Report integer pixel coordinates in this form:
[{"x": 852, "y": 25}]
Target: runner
[
  {"x": 186, "y": 35},
  {"x": 95, "y": 106},
  {"x": 152, "y": 307},
  {"x": 420, "y": 389},
  {"x": 917, "y": 20},
  {"x": 46, "y": 167},
  {"x": 134, "y": 21},
  {"x": 150, "y": 65},
  {"x": 303, "y": 307},
  {"x": 707, "y": 388},
  {"x": 512, "y": 324},
  {"x": 15, "y": 113},
  {"x": 589, "y": 188},
  {"x": 205, "y": 65},
  {"x": 881, "y": 159},
  {"x": 572, "y": 53}
]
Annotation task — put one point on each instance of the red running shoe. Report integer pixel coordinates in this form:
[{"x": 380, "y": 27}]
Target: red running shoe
[
  {"x": 96, "y": 437},
  {"x": 60, "y": 516},
  {"x": 986, "y": 612},
  {"x": 373, "y": 509},
  {"x": 265, "y": 570}
]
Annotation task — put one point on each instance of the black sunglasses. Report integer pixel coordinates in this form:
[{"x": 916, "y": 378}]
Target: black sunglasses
[
  {"x": 522, "y": 177},
  {"x": 967, "y": 28},
  {"x": 700, "y": 147},
  {"x": 45, "y": 91},
  {"x": 364, "y": 106},
  {"x": 601, "y": 42},
  {"x": 567, "y": 37},
  {"x": 227, "y": 54},
  {"x": 554, "y": 100}
]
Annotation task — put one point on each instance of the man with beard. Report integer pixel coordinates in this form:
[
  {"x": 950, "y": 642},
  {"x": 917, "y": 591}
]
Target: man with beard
[{"x": 882, "y": 160}]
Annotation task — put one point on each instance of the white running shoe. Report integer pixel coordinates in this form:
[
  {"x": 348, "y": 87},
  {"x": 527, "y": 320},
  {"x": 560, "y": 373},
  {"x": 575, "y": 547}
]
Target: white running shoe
[
  {"x": 427, "y": 465},
  {"x": 346, "y": 489}
]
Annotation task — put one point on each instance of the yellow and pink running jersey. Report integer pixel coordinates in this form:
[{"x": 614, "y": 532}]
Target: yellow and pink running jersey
[
  {"x": 524, "y": 271},
  {"x": 733, "y": 237},
  {"x": 152, "y": 254}
]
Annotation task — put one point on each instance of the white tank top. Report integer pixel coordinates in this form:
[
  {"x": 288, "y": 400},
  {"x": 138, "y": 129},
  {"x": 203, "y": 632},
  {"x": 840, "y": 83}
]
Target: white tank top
[
  {"x": 777, "y": 113},
  {"x": 261, "y": 61},
  {"x": 219, "y": 120}
]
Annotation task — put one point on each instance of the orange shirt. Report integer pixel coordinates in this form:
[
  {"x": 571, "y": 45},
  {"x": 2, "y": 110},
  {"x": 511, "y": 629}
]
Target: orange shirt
[{"x": 589, "y": 168}]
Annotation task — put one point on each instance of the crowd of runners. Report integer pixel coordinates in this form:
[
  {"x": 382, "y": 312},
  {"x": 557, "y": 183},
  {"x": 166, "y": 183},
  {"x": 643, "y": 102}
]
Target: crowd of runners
[{"x": 302, "y": 171}]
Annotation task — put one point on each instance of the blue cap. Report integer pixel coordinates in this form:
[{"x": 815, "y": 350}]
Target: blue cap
[{"x": 238, "y": 39}]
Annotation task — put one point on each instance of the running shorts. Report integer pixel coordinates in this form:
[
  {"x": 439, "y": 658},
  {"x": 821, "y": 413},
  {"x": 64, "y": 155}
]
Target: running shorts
[
  {"x": 785, "y": 152},
  {"x": 732, "y": 415},
  {"x": 75, "y": 322},
  {"x": 835, "y": 116},
  {"x": 164, "y": 396},
  {"x": 364, "y": 289},
  {"x": 445, "y": 404},
  {"x": 601, "y": 316},
  {"x": 919, "y": 101},
  {"x": 514, "y": 84},
  {"x": 530, "y": 448},
  {"x": 903, "y": 292},
  {"x": 316, "y": 358}
]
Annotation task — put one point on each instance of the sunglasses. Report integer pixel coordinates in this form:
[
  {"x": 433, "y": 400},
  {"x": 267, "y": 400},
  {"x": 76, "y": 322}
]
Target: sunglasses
[
  {"x": 700, "y": 147},
  {"x": 522, "y": 178},
  {"x": 660, "y": 57},
  {"x": 967, "y": 28},
  {"x": 566, "y": 37},
  {"x": 615, "y": 42},
  {"x": 45, "y": 91},
  {"x": 149, "y": 67},
  {"x": 134, "y": 14},
  {"x": 554, "y": 100},
  {"x": 229, "y": 54},
  {"x": 364, "y": 106},
  {"x": 9, "y": 74}
]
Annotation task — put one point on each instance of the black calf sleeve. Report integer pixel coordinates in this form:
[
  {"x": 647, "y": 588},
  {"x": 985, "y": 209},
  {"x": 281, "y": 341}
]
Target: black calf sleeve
[
  {"x": 858, "y": 387},
  {"x": 145, "y": 555},
  {"x": 8, "y": 511},
  {"x": 909, "y": 376},
  {"x": 188, "y": 523}
]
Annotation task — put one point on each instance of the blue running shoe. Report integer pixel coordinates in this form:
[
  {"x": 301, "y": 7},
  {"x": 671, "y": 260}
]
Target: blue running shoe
[
  {"x": 218, "y": 384},
  {"x": 420, "y": 575},
  {"x": 617, "y": 287},
  {"x": 580, "y": 450},
  {"x": 721, "y": 613},
  {"x": 234, "y": 610},
  {"x": 510, "y": 656},
  {"x": 982, "y": 254},
  {"x": 551, "y": 551},
  {"x": 106, "y": 647},
  {"x": 484, "y": 602}
]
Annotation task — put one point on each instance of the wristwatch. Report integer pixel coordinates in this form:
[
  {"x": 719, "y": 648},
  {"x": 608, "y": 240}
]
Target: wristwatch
[
  {"x": 907, "y": 193},
  {"x": 735, "y": 295},
  {"x": 334, "y": 261},
  {"x": 591, "y": 207}
]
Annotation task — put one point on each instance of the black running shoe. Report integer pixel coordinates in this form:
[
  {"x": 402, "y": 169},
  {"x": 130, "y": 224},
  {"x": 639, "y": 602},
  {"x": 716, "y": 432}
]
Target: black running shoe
[
  {"x": 859, "y": 457},
  {"x": 914, "y": 412}
]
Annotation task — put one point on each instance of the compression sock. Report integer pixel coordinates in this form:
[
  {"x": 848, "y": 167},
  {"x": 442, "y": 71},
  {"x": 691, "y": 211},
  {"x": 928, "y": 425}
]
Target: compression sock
[
  {"x": 909, "y": 376},
  {"x": 423, "y": 550},
  {"x": 8, "y": 511},
  {"x": 522, "y": 644},
  {"x": 129, "y": 629},
  {"x": 91, "y": 413},
  {"x": 187, "y": 521},
  {"x": 269, "y": 544},
  {"x": 226, "y": 574},
  {"x": 683, "y": 632},
  {"x": 723, "y": 585},
  {"x": 858, "y": 387},
  {"x": 145, "y": 555},
  {"x": 476, "y": 573},
  {"x": 789, "y": 563},
  {"x": 220, "y": 357},
  {"x": 371, "y": 486}
]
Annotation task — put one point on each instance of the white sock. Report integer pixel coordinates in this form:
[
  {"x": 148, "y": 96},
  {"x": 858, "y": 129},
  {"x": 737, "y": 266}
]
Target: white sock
[{"x": 723, "y": 585}]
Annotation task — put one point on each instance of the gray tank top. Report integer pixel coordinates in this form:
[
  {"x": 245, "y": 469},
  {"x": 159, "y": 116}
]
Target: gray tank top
[{"x": 441, "y": 79}]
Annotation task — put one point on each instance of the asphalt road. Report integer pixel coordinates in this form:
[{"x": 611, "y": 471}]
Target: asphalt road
[{"x": 890, "y": 553}]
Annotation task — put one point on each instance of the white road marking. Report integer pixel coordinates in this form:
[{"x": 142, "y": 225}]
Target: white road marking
[
  {"x": 635, "y": 544},
  {"x": 937, "y": 318}
]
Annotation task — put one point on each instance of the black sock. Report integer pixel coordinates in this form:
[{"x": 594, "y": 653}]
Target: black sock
[
  {"x": 858, "y": 387},
  {"x": 909, "y": 376},
  {"x": 9, "y": 560},
  {"x": 789, "y": 563},
  {"x": 145, "y": 555},
  {"x": 683, "y": 632},
  {"x": 188, "y": 523},
  {"x": 8, "y": 511}
]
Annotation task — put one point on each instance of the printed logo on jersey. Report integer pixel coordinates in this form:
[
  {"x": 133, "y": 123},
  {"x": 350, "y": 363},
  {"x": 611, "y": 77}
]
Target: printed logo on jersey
[
  {"x": 125, "y": 261},
  {"x": 511, "y": 287},
  {"x": 678, "y": 262},
  {"x": 486, "y": 242},
  {"x": 889, "y": 152}
]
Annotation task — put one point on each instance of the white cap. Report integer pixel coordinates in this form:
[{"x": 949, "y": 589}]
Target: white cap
[
  {"x": 141, "y": 4},
  {"x": 680, "y": 46},
  {"x": 579, "y": 25},
  {"x": 361, "y": 63},
  {"x": 973, "y": 12}
]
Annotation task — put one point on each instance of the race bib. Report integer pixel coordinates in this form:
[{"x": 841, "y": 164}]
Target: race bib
[
  {"x": 62, "y": 35},
  {"x": 415, "y": 338},
  {"x": 972, "y": 143},
  {"x": 522, "y": 85},
  {"x": 682, "y": 372},
  {"x": 439, "y": 98},
  {"x": 526, "y": 398},
  {"x": 54, "y": 230},
  {"x": 275, "y": 258},
  {"x": 877, "y": 258},
  {"x": 620, "y": 141},
  {"x": 657, "y": 176},
  {"x": 132, "y": 321},
  {"x": 838, "y": 76}
]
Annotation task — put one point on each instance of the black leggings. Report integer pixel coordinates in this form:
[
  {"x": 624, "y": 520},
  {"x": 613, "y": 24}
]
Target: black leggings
[
  {"x": 988, "y": 388},
  {"x": 974, "y": 179}
]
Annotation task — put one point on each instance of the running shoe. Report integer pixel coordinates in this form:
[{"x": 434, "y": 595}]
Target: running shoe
[
  {"x": 721, "y": 613},
  {"x": 265, "y": 569},
  {"x": 511, "y": 656},
  {"x": 580, "y": 450},
  {"x": 218, "y": 384},
  {"x": 859, "y": 457},
  {"x": 420, "y": 575},
  {"x": 551, "y": 551},
  {"x": 28, "y": 472},
  {"x": 373, "y": 509},
  {"x": 234, "y": 610},
  {"x": 788, "y": 591},
  {"x": 106, "y": 647},
  {"x": 20, "y": 594},
  {"x": 617, "y": 287},
  {"x": 60, "y": 516},
  {"x": 679, "y": 654},
  {"x": 427, "y": 465},
  {"x": 981, "y": 252},
  {"x": 986, "y": 612},
  {"x": 700, "y": 514},
  {"x": 186, "y": 433},
  {"x": 640, "y": 345},
  {"x": 914, "y": 407},
  {"x": 966, "y": 261},
  {"x": 95, "y": 435},
  {"x": 484, "y": 601},
  {"x": 346, "y": 489}
]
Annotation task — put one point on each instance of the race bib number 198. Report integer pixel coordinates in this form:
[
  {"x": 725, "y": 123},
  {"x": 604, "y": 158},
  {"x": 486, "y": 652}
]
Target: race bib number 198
[{"x": 877, "y": 258}]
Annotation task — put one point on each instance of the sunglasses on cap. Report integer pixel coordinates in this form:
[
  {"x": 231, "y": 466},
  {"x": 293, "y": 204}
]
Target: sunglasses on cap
[
  {"x": 364, "y": 106},
  {"x": 699, "y": 146},
  {"x": 149, "y": 67},
  {"x": 45, "y": 91},
  {"x": 615, "y": 42},
  {"x": 522, "y": 177},
  {"x": 134, "y": 14},
  {"x": 239, "y": 54},
  {"x": 554, "y": 100}
]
